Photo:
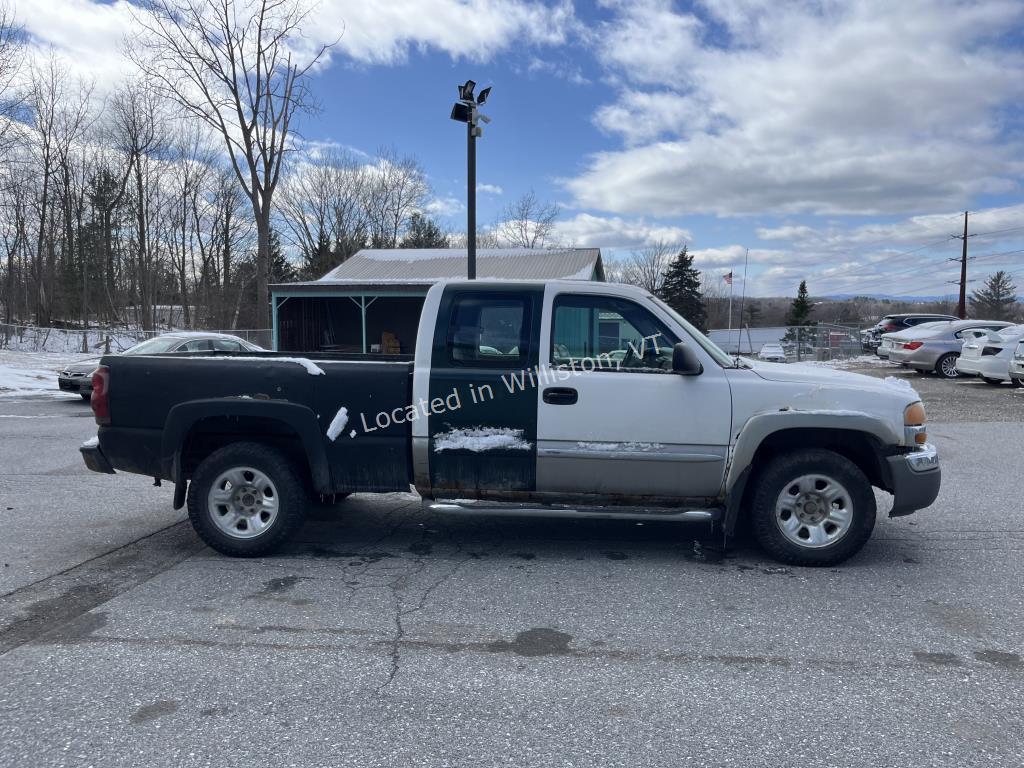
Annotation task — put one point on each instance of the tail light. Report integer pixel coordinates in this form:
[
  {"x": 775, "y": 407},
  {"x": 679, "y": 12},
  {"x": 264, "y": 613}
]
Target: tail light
[
  {"x": 912, "y": 345},
  {"x": 100, "y": 400}
]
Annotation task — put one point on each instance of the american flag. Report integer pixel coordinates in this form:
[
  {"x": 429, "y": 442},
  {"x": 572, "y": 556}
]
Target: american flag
[{"x": 728, "y": 278}]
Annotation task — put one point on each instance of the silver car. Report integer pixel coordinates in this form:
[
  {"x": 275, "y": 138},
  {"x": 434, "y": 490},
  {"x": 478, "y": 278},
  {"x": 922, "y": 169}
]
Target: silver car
[
  {"x": 77, "y": 377},
  {"x": 937, "y": 349}
]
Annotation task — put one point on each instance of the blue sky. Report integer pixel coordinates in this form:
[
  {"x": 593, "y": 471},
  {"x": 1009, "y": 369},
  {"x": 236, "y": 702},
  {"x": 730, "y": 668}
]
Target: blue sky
[{"x": 838, "y": 141}]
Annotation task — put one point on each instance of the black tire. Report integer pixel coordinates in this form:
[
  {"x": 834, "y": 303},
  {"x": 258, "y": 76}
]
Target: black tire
[
  {"x": 289, "y": 491},
  {"x": 1016, "y": 382},
  {"x": 782, "y": 472},
  {"x": 945, "y": 366},
  {"x": 85, "y": 395}
]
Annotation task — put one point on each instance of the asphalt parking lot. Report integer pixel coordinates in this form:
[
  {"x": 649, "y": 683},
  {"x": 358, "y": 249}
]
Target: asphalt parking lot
[{"x": 387, "y": 635}]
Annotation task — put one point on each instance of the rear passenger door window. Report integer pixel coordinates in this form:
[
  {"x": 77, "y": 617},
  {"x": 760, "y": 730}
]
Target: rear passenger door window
[
  {"x": 488, "y": 331},
  {"x": 226, "y": 345}
]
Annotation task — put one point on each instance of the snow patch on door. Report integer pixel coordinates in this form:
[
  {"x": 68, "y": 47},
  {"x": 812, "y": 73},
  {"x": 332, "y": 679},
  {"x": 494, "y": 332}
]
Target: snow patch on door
[{"x": 480, "y": 439}]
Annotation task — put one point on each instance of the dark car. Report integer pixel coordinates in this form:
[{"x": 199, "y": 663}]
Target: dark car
[
  {"x": 872, "y": 337},
  {"x": 77, "y": 377}
]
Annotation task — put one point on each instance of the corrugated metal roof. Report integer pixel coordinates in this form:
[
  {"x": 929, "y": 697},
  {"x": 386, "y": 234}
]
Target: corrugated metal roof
[{"x": 413, "y": 265}]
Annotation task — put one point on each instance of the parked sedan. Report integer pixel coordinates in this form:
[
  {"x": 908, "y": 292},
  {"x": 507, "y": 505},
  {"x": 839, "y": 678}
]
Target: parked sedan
[
  {"x": 938, "y": 349},
  {"x": 989, "y": 355},
  {"x": 886, "y": 341},
  {"x": 1017, "y": 365},
  {"x": 871, "y": 338},
  {"x": 772, "y": 353},
  {"x": 77, "y": 377}
]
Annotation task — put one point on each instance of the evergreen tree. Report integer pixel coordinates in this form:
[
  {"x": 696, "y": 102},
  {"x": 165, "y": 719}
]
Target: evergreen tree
[
  {"x": 681, "y": 290},
  {"x": 281, "y": 268},
  {"x": 801, "y": 308},
  {"x": 752, "y": 312},
  {"x": 997, "y": 300},
  {"x": 423, "y": 233}
]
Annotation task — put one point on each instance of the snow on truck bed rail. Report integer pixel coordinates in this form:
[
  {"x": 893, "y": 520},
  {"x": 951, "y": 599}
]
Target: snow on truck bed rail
[{"x": 311, "y": 368}]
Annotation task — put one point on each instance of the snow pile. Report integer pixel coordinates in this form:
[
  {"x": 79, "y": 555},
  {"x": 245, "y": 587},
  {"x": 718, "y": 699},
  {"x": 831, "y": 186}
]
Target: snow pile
[
  {"x": 92, "y": 442},
  {"x": 480, "y": 439},
  {"x": 629, "y": 447},
  {"x": 337, "y": 424},
  {"x": 34, "y": 373},
  {"x": 311, "y": 368}
]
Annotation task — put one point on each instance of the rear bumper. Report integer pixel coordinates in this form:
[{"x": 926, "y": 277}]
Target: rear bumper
[
  {"x": 95, "y": 459},
  {"x": 916, "y": 478}
]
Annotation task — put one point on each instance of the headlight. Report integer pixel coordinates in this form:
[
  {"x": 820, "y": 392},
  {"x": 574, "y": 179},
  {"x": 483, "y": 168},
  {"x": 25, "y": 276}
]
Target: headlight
[{"x": 914, "y": 430}]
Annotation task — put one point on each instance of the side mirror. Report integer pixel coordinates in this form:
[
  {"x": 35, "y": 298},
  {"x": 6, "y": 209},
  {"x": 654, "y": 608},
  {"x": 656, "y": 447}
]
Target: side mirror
[{"x": 685, "y": 362}]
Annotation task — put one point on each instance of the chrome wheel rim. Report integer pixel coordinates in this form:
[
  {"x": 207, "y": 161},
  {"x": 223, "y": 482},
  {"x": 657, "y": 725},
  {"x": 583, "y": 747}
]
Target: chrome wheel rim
[
  {"x": 814, "y": 511},
  {"x": 949, "y": 368},
  {"x": 243, "y": 502}
]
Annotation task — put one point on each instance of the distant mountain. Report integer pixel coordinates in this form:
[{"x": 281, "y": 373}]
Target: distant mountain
[{"x": 886, "y": 297}]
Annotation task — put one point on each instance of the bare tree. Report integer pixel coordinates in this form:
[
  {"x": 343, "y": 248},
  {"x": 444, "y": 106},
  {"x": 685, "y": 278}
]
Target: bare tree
[
  {"x": 11, "y": 97},
  {"x": 397, "y": 189},
  {"x": 646, "y": 267},
  {"x": 231, "y": 64},
  {"x": 324, "y": 209},
  {"x": 526, "y": 222}
]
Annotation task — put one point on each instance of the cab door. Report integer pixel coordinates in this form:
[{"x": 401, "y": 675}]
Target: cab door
[{"x": 613, "y": 421}]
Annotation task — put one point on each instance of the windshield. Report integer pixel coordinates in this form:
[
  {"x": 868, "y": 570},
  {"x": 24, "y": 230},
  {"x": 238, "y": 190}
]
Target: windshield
[
  {"x": 153, "y": 346},
  {"x": 706, "y": 344}
]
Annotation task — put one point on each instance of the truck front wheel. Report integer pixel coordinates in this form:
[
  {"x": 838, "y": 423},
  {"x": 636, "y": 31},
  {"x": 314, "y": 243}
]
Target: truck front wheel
[
  {"x": 812, "y": 508},
  {"x": 246, "y": 500}
]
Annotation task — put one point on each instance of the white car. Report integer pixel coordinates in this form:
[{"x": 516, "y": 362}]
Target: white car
[
  {"x": 772, "y": 353},
  {"x": 990, "y": 355},
  {"x": 1017, "y": 365}
]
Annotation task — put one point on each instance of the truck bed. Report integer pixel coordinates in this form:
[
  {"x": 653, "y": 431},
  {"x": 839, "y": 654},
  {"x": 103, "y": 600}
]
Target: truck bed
[{"x": 166, "y": 411}]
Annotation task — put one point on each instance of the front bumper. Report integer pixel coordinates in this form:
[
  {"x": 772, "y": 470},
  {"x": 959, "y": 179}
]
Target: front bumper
[
  {"x": 915, "y": 479},
  {"x": 1017, "y": 369},
  {"x": 80, "y": 384}
]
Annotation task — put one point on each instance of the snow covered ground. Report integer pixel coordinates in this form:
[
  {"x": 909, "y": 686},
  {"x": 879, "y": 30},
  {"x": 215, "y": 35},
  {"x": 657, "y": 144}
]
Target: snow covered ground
[{"x": 34, "y": 373}]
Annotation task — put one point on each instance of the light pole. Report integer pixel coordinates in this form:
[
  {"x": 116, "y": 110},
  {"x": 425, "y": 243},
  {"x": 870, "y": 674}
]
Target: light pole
[{"x": 465, "y": 111}]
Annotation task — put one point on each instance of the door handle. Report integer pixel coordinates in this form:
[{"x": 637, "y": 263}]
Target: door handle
[{"x": 561, "y": 396}]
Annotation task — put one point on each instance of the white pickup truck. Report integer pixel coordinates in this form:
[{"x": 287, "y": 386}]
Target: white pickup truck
[{"x": 562, "y": 398}]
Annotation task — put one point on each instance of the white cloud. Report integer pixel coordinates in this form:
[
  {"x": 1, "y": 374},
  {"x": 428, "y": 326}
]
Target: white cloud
[
  {"x": 489, "y": 189},
  {"x": 385, "y": 31},
  {"x": 863, "y": 107},
  {"x": 444, "y": 206},
  {"x": 587, "y": 230},
  {"x": 88, "y": 36}
]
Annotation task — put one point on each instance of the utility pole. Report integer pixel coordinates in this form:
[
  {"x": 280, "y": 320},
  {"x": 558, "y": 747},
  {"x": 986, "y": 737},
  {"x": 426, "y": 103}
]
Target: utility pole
[{"x": 961, "y": 307}]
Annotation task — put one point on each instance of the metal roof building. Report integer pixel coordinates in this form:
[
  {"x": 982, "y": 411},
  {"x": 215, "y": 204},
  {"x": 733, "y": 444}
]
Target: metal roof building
[{"x": 371, "y": 302}]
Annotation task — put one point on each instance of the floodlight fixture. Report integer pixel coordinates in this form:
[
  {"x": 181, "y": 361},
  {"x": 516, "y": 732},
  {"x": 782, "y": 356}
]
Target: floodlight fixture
[
  {"x": 482, "y": 98},
  {"x": 466, "y": 91},
  {"x": 461, "y": 112}
]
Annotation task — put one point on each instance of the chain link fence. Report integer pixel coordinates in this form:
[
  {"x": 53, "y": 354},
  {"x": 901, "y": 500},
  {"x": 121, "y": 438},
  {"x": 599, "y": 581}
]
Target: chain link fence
[
  {"x": 822, "y": 342},
  {"x": 29, "y": 338}
]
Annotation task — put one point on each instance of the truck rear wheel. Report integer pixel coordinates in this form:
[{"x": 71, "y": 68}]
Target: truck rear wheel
[
  {"x": 246, "y": 500},
  {"x": 812, "y": 508}
]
